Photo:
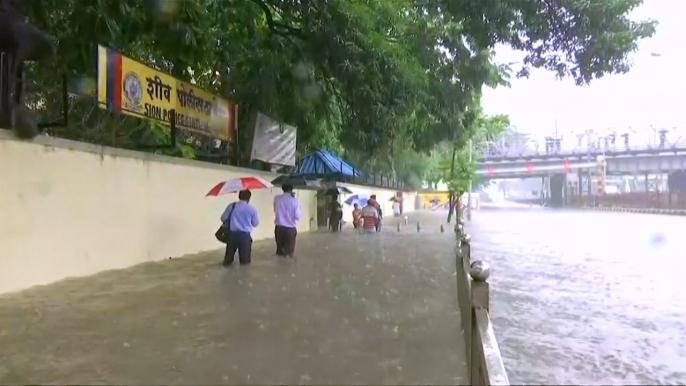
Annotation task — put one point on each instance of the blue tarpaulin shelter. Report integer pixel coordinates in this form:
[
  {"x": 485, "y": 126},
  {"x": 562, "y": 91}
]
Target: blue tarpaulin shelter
[{"x": 323, "y": 163}]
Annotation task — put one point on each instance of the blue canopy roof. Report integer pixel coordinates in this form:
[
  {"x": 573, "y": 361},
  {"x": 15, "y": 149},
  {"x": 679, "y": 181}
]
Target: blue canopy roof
[{"x": 322, "y": 163}]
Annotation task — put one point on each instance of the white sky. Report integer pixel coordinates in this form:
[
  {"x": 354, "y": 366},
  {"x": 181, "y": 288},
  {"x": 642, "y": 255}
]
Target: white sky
[{"x": 652, "y": 93}]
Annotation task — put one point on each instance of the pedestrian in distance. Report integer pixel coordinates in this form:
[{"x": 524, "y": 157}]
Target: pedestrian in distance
[
  {"x": 370, "y": 217},
  {"x": 379, "y": 217},
  {"x": 286, "y": 216}
]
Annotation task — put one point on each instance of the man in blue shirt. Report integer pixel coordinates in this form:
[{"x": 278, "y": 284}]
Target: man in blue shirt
[{"x": 239, "y": 218}]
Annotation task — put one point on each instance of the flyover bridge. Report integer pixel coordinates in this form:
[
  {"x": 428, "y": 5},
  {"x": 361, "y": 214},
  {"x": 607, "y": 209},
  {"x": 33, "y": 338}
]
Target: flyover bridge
[{"x": 626, "y": 161}]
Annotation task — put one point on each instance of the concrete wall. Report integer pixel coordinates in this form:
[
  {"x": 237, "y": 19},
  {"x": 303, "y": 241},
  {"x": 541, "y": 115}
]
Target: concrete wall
[{"x": 74, "y": 209}]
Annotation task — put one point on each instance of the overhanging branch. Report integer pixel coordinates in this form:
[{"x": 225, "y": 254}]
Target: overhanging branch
[{"x": 275, "y": 26}]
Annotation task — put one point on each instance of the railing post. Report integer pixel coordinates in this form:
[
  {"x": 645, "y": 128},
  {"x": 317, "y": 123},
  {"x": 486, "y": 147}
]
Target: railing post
[{"x": 479, "y": 272}]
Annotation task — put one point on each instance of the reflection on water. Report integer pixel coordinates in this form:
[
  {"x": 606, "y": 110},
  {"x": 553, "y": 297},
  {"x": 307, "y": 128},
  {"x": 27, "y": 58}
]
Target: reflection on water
[
  {"x": 587, "y": 297},
  {"x": 352, "y": 309}
]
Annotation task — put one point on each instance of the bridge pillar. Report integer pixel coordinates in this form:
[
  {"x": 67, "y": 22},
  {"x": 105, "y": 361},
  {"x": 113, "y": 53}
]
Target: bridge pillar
[{"x": 558, "y": 182}]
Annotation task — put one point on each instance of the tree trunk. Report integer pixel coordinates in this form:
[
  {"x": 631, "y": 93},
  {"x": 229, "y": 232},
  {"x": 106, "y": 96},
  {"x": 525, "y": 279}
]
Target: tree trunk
[
  {"x": 451, "y": 207},
  {"x": 452, "y": 176}
]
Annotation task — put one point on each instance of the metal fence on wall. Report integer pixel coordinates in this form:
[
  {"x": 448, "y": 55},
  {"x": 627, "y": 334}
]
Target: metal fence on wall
[{"x": 67, "y": 108}]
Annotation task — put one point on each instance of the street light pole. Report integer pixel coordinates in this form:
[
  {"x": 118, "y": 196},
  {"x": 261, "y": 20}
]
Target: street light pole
[{"x": 469, "y": 193}]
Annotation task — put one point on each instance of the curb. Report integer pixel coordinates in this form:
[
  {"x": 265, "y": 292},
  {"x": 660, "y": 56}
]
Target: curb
[{"x": 673, "y": 212}]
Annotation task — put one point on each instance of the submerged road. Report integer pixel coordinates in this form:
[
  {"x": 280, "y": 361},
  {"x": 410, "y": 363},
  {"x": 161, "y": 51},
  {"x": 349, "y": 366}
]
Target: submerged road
[
  {"x": 586, "y": 297},
  {"x": 351, "y": 309}
]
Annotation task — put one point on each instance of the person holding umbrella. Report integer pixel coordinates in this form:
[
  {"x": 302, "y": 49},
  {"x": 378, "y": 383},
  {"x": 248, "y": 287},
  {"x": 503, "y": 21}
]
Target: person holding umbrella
[{"x": 239, "y": 219}]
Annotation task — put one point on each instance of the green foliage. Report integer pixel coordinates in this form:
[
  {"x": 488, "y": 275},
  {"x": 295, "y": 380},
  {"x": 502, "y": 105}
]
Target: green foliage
[
  {"x": 386, "y": 82},
  {"x": 480, "y": 130}
]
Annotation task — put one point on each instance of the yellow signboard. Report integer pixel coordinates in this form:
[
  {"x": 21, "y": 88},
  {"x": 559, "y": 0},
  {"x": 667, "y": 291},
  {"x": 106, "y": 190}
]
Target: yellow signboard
[
  {"x": 432, "y": 199},
  {"x": 129, "y": 87}
]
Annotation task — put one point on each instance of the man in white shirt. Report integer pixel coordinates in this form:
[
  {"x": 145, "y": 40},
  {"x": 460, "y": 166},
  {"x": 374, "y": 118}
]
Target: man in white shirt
[
  {"x": 396, "y": 209},
  {"x": 286, "y": 216}
]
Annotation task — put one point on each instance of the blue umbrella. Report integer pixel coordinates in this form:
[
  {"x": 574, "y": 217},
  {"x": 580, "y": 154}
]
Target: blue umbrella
[{"x": 360, "y": 199}]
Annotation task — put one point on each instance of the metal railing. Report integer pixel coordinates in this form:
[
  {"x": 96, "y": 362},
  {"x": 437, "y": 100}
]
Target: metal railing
[
  {"x": 373, "y": 180},
  {"x": 380, "y": 181},
  {"x": 484, "y": 362},
  {"x": 617, "y": 149}
]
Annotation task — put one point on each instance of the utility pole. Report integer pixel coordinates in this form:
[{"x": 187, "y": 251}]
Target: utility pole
[
  {"x": 469, "y": 193},
  {"x": 556, "y": 129},
  {"x": 453, "y": 199}
]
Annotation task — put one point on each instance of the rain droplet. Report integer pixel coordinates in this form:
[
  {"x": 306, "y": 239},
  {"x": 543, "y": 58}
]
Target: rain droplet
[
  {"x": 312, "y": 91},
  {"x": 657, "y": 240},
  {"x": 300, "y": 71}
]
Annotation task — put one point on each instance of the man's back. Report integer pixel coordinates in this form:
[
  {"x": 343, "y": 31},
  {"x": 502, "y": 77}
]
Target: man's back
[
  {"x": 243, "y": 216},
  {"x": 369, "y": 216},
  {"x": 286, "y": 211}
]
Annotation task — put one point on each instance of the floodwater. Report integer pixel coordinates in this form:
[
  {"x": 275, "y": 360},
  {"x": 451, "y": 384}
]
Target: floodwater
[
  {"x": 351, "y": 309},
  {"x": 586, "y": 297}
]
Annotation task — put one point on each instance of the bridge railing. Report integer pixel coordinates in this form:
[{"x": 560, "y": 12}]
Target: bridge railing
[
  {"x": 484, "y": 362},
  {"x": 497, "y": 154}
]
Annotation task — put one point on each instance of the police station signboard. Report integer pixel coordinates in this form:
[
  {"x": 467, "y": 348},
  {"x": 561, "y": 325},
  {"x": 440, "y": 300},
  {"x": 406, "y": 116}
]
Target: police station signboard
[{"x": 128, "y": 87}]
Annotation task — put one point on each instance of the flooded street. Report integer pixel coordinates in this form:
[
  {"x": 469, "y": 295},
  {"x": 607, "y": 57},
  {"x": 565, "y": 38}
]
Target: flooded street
[
  {"x": 586, "y": 297},
  {"x": 577, "y": 298},
  {"x": 351, "y": 309}
]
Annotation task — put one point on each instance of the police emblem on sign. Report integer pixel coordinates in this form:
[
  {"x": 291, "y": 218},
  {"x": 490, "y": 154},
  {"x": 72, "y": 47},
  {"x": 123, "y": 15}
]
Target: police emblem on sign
[{"x": 132, "y": 91}]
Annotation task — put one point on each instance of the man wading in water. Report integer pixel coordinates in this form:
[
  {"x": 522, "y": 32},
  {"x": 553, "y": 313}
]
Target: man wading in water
[
  {"x": 379, "y": 216},
  {"x": 370, "y": 217}
]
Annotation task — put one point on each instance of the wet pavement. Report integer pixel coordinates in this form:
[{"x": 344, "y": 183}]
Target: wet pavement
[
  {"x": 582, "y": 297},
  {"x": 351, "y": 309}
]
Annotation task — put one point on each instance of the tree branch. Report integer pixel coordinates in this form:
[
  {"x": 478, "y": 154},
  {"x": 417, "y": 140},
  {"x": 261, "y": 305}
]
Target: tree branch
[{"x": 274, "y": 26}]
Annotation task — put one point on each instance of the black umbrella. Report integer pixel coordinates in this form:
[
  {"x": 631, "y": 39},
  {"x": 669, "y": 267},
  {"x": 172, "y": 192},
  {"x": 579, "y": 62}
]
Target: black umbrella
[
  {"x": 299, "y": 182},
  {"x": 337, "y": 191}
]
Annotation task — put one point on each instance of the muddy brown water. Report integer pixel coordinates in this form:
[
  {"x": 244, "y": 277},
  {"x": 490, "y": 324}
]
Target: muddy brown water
[{"x": 350, "y": 309}]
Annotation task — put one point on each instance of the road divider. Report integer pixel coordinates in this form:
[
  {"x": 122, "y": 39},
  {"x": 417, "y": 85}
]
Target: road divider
[{"x": 673, "y": 212}]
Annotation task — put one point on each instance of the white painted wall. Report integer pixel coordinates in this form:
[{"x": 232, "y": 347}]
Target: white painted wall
[{"x": 74, "y": 209}]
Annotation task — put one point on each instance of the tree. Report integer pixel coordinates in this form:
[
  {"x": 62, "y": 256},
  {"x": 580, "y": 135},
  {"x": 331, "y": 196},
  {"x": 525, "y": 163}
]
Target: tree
[
  {"x": 454, "y": 165},
  {"x": 579, "y": 38},
  {"x": 373, "y": 76}
]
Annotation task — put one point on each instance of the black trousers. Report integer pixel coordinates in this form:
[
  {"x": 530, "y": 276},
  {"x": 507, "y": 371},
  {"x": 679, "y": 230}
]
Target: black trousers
[
  {"x": 241, "y": 242},
  {"x": 285, "y": 240},
  {"x": 335, "y": 224}
]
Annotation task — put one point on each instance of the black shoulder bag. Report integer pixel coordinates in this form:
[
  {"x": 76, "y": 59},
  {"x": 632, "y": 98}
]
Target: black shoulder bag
[{"x": 223, "y": 232}]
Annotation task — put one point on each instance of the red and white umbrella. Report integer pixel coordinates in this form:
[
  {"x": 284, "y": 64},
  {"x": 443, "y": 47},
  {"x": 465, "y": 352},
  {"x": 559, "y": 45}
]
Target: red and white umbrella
[{"x": 237, "y": 184}]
